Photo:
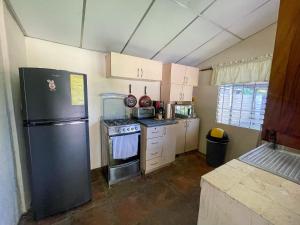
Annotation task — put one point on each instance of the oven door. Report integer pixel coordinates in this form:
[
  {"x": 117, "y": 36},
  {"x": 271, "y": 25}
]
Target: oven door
[{"x": 116, "y": 162}]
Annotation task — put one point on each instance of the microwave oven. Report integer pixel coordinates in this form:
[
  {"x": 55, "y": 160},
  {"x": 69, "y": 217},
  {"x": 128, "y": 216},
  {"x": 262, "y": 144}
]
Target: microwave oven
[{"x": 183, "y": 111}]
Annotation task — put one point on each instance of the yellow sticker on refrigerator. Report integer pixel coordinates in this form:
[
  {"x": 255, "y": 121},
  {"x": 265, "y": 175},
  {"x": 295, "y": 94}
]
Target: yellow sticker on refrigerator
[{"x": 77, "y": 89}]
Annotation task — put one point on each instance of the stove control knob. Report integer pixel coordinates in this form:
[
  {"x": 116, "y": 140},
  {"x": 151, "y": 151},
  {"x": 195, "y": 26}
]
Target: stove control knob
[
  {"x": 136, "y": 128},
  {"x": 128, "y": 129},
  {"x": 120, "y": 130},
  {"x": 132, "y": 128}
]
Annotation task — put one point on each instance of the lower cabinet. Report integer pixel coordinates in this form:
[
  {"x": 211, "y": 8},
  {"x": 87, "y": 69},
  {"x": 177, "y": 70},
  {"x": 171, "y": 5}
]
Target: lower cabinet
[
  {"x": 187, "y": 135},
  {"x": 158, "y": 147}
]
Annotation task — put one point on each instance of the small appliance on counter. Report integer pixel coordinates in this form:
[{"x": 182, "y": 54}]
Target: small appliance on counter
[
  {"x": 184, "y": 111},
  {"x": 143, "y": 112}
]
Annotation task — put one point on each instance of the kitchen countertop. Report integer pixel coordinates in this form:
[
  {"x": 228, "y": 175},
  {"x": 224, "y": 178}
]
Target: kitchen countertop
[
  {"x": 241, "y": 192},
  {"x": 155, "y": 123}
]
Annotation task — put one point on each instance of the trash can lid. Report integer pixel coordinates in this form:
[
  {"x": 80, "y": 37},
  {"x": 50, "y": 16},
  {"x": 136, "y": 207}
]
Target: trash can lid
[
  {"x": 218, "y": 135},
  {"x": 217, "y": 132}
]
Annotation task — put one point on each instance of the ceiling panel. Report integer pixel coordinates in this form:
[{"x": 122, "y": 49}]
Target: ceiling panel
[
  {"x": 256, "y": 21},
  {"x": 199, "y": 32},
  {"x": 227, "y": 12},
  {"x": 195, "y": 5},
  {"x": 55, "y": 20},
  {"x": 163, "y": 22},
  {"x": 221, "y": 42},
  {"x": 109, "y": 23}
]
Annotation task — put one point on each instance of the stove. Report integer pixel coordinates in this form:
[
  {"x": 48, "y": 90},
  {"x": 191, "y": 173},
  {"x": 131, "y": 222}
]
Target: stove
[{"x": 121, "y": 126}]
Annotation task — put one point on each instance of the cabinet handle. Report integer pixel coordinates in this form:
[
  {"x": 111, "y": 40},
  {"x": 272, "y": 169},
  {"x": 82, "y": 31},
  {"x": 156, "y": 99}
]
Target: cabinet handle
[
  {"x": 154, "y": 143},
  {"x": 154, "y": 153},
  {"x": 152, "y": 164},
  {"x": 142, "y": 72},
  {"x": 138, "y": 72},
  {"x": 154, "y": 132},
  {"x": 183, "y": 96}
]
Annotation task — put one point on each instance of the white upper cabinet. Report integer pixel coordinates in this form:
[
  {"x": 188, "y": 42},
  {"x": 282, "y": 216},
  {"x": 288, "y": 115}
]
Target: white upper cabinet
[
  {"x": 177, "y": 74},
  {"x": 192, "y": 74},
  {"x": 125, "y": 66},
  {"x": 180, "y": 74}
]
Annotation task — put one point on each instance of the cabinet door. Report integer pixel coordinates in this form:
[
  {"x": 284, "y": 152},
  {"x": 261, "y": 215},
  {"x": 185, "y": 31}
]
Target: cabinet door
[
  {"x": 180, "y": 130},
  {"x": 124, "y": 66},
  {"x": 192, "y": 74},
  {"x": 176, "y": 92},
  {"x": 178, "y": 73},
  {"x": 169, "y": 146},
  {"x": 187, "y": 93},
  {"x": 192, "y": 134},
  {"x": 151, "y": 70}
]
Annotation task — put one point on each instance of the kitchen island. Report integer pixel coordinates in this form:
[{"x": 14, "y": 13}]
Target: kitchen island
[{"x": 239, "y": 194}]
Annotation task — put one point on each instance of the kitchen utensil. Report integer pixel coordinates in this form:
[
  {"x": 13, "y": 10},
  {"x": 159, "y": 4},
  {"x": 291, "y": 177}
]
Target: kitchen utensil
[
  {"x": 130, "y": 101},
  {"x": 145, "y": 101}
]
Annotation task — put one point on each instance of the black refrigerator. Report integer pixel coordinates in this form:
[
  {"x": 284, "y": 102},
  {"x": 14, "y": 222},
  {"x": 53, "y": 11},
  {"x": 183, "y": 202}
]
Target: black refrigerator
[{"x": 55, "y": 114}]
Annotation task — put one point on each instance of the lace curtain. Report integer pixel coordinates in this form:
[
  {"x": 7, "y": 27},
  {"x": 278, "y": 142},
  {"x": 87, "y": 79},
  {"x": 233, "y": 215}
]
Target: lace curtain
[{"x": 243, "y": 71}]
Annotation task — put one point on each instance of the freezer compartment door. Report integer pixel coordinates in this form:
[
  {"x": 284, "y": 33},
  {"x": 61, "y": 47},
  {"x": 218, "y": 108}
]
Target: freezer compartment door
[
  {"x": 60, "y": 167},
  {"x": 49, "y": 94}
]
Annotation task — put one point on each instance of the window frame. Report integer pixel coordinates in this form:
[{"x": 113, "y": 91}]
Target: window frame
[{"x": 254, "y": 113}]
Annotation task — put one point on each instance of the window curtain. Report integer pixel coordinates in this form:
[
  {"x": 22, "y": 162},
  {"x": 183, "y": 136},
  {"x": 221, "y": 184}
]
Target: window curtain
[{"x": 243, "y": 71}]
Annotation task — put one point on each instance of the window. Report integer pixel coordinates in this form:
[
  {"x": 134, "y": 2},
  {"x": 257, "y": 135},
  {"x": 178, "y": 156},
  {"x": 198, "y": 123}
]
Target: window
[{"x": 242, "y": 105}]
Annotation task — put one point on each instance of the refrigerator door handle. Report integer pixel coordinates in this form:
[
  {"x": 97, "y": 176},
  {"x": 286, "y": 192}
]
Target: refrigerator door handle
[{"x": 68, "y": 123}]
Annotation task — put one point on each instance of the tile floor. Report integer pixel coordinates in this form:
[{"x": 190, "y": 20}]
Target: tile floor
[{"x": 165, "y": 197}]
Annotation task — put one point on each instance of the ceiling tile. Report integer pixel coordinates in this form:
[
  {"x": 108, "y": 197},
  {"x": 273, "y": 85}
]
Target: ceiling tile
[
  {"x": 221, "y": 42},
  {"x": 227, "y": 12},
  {"x": 55, "y": 20},
  {"x": 163, "y": 22},
  {"x": 199, "y": 32},
  {"x": 258, "y": 20},
  {"x": 109, "y": 24},
  {"x": 194, "y": 5}
]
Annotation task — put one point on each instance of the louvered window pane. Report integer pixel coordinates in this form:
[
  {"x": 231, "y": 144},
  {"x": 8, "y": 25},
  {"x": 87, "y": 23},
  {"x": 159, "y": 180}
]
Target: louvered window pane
[{"x": 242, "y": 105}]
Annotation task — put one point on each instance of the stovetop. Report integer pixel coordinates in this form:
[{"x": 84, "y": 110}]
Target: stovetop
[
  {"x": 121, "y": 126},
  {"x": 119, "y": 122}
]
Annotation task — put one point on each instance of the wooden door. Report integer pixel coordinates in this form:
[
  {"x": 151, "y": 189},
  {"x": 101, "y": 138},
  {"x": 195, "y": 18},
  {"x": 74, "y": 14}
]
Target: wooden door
[
  {"x": 192, "y": 74},
  {"x": 192, "y": 134},
  {"x": 151, "y": 70},
  {"x": 180, "y": 131},
  {"x": 169, "y": 146},
  {"x": 178, "y": 73},
  {"x": 282, "y": 115},
  {"x": 124, "y": 66}
]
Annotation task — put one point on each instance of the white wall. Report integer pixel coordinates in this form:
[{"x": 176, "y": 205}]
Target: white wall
[
  {"x": 17, "y": 58},
  {"x": 51, "y": 55},
  {"x": 241, "y": 139},
  {"x": 12, "y": 54}
]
